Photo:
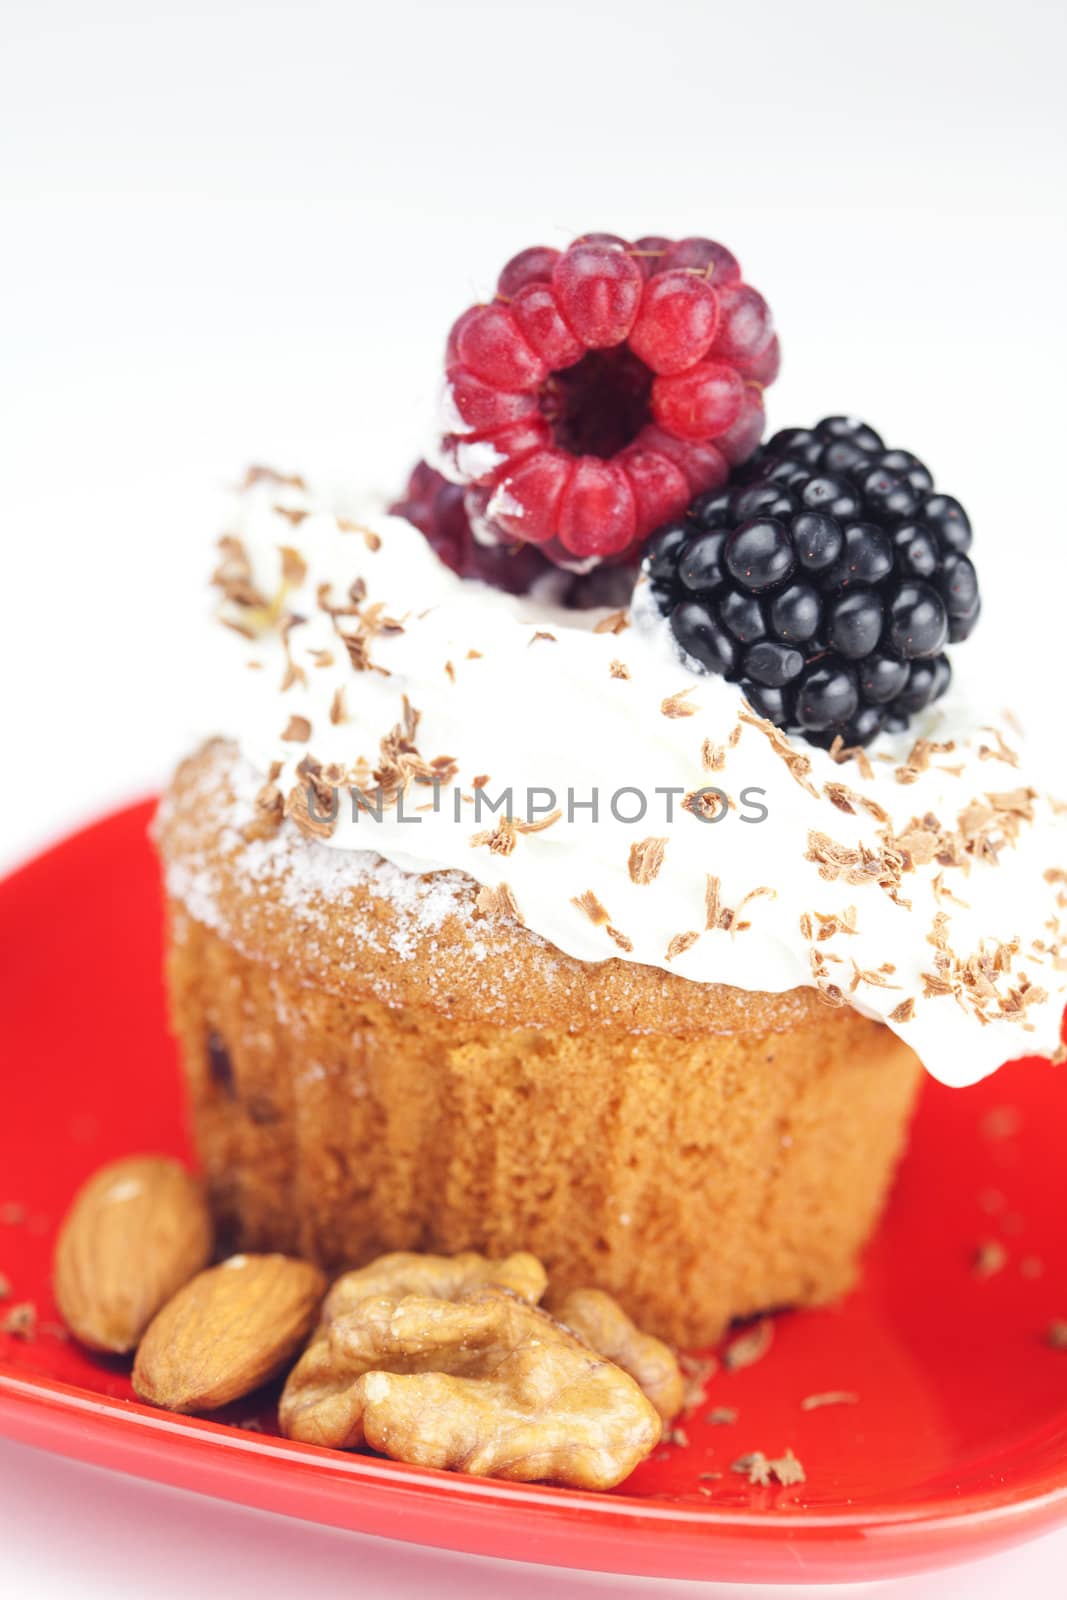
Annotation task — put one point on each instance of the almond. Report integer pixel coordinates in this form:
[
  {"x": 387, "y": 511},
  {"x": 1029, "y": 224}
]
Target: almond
[
  {"x": 138, "y": 1230},
  {"x": 233, "y": 1328}
]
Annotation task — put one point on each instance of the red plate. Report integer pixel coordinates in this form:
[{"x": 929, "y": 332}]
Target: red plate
[{"x": 957, "y": 1443}]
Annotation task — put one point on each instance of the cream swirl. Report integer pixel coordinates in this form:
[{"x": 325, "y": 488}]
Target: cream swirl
[{"x": 924, "y": 886}]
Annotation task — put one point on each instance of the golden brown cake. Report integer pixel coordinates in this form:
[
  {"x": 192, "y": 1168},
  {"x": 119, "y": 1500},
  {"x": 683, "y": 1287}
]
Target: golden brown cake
[{"x": 699, "y": 1151}]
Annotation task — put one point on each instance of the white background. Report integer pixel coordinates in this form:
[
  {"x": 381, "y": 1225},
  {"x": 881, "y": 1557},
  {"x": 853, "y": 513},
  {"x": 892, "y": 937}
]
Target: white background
[{"x": 240, "y": 232}]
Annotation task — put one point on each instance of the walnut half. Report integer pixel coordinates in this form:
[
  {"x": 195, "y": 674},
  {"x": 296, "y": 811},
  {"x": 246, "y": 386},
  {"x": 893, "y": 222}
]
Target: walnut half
[
  {"x": 485, "y": 1383},
  {"x": 404, "y": 1272},
  {"x": 598, "y": 1319}
]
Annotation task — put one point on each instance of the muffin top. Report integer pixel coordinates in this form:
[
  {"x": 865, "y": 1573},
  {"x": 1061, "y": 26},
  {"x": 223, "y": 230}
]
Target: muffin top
[{"x": 621, "y": 805}]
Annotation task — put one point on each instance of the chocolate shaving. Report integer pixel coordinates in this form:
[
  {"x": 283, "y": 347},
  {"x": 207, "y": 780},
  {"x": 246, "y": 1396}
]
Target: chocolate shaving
[
  {"x": 646, "y": 858},
  {"x": 21, "y": 1321},
  {"x": 298, "y": 811},
  {"x": 338, "y": 713},
  {"x": 708, "y": 806},
  {"x": 829, "y": 992},
  {"x": 245, "y": 629},
  {"x": 749, "y": 1347},
  {"x": 677, "y": 705},
  {"x": 877, "y": 979},
  {"x": 371, "y": 539},
  {"x": 259, "y": 474},
  {"x": 371, "y": 622},
  {"x": 294, "y": 567},
  {"x": 293, "y": 675},
  {"x": 615, "y": 623},
  {"x": 919, "y": 757},
  {"x": 921, "y": 842},
  {"x": 713, "y": 756},
  {"x": 233, "y": 577},
  {"x": 500, "y": 840},
  {"x": 400, "y": 763},
  {"x": 903, "y": 1012},
  {"x": 619, "y": 669},
  {"x": 498, "y": 901},
  {"x": 269, "y": 813},
  {"x": 680, "y": 944},
  {"x": 799, "y": 765},
  {"x": 721, "y": 1417},
  {"x": 839, "y": 752},
  {"x": 831, "y": 923},
  {"x": 736, "y": 925},
  {"x": 620, "y": 938},
  {"x": 832, "y": 1397},
  {"x": 593, "y": 908},
  {"x": 539, "y": 826},
  {"x": 712, "y": 901},
  {"x": 851, "y": 801},
  {"x": 697, "y": 1373},
  {"x": 983, "y": 982},
  {"x": 1002, "y": 751},
  {"x": 858, "y": 866},
  {"x": 298, "y": 730},
  {"x": 762, "y": 1471}
]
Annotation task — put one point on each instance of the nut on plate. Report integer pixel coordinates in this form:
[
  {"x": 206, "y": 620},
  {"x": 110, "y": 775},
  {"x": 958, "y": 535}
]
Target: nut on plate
[
  {"x": 137, "y": 1231},
  {"x": 598, "y": 1319},
  {"x": 231, "y": 1329},
  {"x": 404, "y": 1272},
  {"x": 485, "y": 1383}
]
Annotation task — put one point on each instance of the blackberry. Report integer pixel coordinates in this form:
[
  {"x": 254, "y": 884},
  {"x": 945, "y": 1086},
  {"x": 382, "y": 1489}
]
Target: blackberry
[{"x": 825, "y": 579}]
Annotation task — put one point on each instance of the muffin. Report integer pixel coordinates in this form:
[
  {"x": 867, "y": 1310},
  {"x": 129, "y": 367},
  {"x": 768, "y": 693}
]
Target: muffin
[{"x": 498, "y": 924}]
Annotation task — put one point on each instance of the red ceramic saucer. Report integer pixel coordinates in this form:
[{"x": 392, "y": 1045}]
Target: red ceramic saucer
[{"x": 956, "y": 1443}]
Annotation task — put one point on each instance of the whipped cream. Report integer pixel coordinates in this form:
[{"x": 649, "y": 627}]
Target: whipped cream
[{"x": 923, "y": 883}]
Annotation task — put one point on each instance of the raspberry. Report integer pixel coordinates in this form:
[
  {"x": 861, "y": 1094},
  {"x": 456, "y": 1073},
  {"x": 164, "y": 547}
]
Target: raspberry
[
  {"x": 598, "y": 289},
  {"x": 701, "y": 403},
  {"x": 597, "y": 513},
  {"x": 439, "y": 510},
  {"x": 676, "y": 323},
  {"x": 649, "y": 252},
  {"x": 527, "y": 505},
  {"x": 491, "y": 345},
  {"x": 481, "y": 409},
  {"x": 746, "y": 328},
  {"x": 539, "y": 318},
  {"x": 825, "y": 579},
  {"x": 602, "y": 388},
  {"x": 705, "y": 466},
  {"x": 529, "y": 266},
  {"x": 436, "y": 507},
  {"x": 703, "y": 255},
  {"x": 745, "y": 432}
]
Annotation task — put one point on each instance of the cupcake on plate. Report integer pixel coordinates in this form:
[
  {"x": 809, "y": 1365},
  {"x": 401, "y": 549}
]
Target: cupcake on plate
[{"x": 616, "y": 933}]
